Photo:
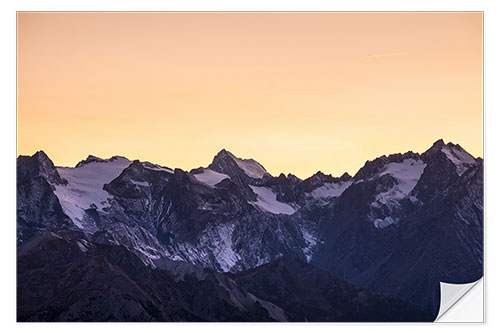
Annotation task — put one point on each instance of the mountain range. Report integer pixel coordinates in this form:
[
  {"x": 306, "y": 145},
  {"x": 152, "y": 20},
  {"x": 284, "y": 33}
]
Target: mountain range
[{"x": 120, "y": 240}]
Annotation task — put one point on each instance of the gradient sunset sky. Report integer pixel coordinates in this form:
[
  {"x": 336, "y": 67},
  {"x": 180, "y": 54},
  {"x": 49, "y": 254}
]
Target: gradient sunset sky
[{"x": 298, "y": 92}]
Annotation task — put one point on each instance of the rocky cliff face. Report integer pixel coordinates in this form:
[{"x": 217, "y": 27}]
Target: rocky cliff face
[{"x": 38, "y": 208}]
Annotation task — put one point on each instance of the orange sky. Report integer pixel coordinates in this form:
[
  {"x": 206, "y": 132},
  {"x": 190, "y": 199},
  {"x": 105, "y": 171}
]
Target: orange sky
[{"x": 299, "y": 92}]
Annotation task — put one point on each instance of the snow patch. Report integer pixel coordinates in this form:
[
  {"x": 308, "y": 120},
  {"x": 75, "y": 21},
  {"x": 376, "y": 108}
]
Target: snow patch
[
  {"x": 210, "y": 177},
  {"x": 216, "y": 238},
  {"x": 139, "y": 183},
  {"x": 407, "y": 174},
  {"x": 251, "y": 167},
  {"x": 137, "y": 239},
  {"x": 266, "y": 200},
  {"x": 155, "y": 167},
  {"x": 380, "y": 224},
  {"x": 85, "y": 187},
  {"x": 223, "y": 247},
  {"x": 330, "y": 190},
  {"x": 462, "y": 159},
  {"x": 311, "y": 242},
  {"x": 82, "y": 246}
]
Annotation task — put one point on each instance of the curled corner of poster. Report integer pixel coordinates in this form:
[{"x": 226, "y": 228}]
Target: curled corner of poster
[{"x": 462, "y": 303}]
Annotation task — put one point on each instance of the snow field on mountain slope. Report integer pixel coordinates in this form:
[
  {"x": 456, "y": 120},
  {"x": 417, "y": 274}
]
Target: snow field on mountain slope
[
  {"x": 310, "y": 242},
  {"x": 215, "y": 242},
  {"x": 462, "y": 159},
  {"x": 266, "y": 200},
  {"x": 155, "y": 167},
  {"x": 330, "y": 190},
  {"x": 210, "y": 177},
  {"x": 251, "y": 168},
  {"x": 85, "y": 186},
  {"x": 407, "y": 175}
]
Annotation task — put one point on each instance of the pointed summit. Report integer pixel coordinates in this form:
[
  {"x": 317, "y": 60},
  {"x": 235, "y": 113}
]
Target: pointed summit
[
  {"x": 38, "y": 165},
  {"x": 224, "y": 152},
  {"x": 345, "y": 177},
  {"x": 436, "y": 147},
  {"x": 459, "y": 157},
  {"x": 439, "y": 143},
  {"x": 226, "y": 163},
  {"x": 454, "y": 153},
  {"x": 42, "y": 157}
]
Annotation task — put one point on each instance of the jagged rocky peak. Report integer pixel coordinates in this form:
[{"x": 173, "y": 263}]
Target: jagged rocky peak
[
  {"x": 436, "y": 146},
  {"x": 320, "y": 179},
  {"x": 281, "y": 183},
  {"x": 316, "y": 180},
  {"x": 141, "y": 169},
  {"x": 323, "y": 177},
  {"x": 293, "y": 178},
  {"x": 197, "y": 171},
  {"x": 39, "y": 164},
  {"x": 288, "y": 179},
  {"x": 42, "y": 157},
  {"x": 440, "y": 146},
  {"x": 373, "y": 167},
  {"x": 226, "y": 163},
  {"x": 95, "y": 159},
  {"x": 454, "y": 153},
  {"x": 133, "y": 171},
  {"x": 345, "y": 177}
]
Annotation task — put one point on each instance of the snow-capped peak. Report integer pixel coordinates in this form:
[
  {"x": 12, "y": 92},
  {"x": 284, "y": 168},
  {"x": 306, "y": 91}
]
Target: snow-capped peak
[
  {"x": 85, "y": 185},
  {"x": 251, "y": 167},
  {"x": 39, "y": 164},
  {"x": 95, "y": 159},
  {"x": 456, "y": 154},
  {"x": 225, "y": 162},
  {"x": 156, "y": 167}
]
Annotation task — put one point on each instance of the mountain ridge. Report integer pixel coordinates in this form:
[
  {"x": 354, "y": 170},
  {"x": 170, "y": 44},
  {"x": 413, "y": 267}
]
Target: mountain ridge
[
  {"x": 92, "y": 158},
  {"x": 226, "y": 218}
]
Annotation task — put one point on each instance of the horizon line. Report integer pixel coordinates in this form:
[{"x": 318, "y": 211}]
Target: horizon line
[{"x": 250, "y": 158}]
